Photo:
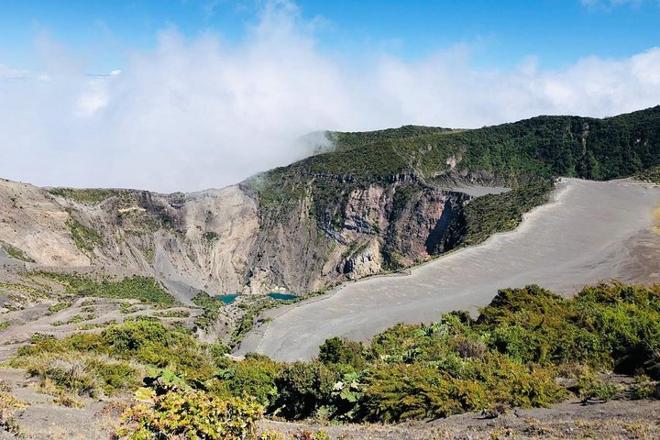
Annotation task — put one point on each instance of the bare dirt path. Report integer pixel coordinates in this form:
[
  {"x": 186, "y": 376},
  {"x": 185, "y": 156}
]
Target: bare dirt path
[
  {"x": 588, "y": 232},
  {"x": 41, "y": 418}
]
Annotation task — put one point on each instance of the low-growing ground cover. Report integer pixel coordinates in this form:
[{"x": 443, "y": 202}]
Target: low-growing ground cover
[
  {"x": 143, "y": 288},
  {"x": 15, "y": 252}
]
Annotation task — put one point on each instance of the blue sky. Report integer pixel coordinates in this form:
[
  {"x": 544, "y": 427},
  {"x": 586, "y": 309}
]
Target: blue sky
[
  {"x": 190, "y": 94},
  {"x": 500, "y": 33}
]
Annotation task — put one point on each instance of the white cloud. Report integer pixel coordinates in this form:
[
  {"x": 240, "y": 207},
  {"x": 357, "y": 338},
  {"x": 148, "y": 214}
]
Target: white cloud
[
  {"x": 200, "y": 112},
  {"x": 7, "y": 72}
]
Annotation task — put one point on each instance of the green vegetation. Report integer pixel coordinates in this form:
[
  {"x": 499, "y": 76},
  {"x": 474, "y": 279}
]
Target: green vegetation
[
  {"x": 142, "y": 341},
  {"x": 75, "y": 319},
  {"x": 172, "y": 314},
  {"x": 650, "y": 175},
  {"x": 251, "y": 312},
  {"x": 58, "y": 307},
  {"x": 86, "y": 196},
  {"x": 4, "y": 325},
  {"x": 492, "y": 213},
  {"x": 91, "y": 326},
  {"x": 127, "y": 308},
  {"x": 255, "y": 376},
  {"x": 145, "y": 289},
  {"x": 210, "y": 236},
  {"x": 86, "y": 239},
  {"x": 149, "y": 254},
  {"x": 608, "y": 326},
  {"x": 349, "y": 140},
  {"x": 528, "y": 348},
  {"x": 512, "y": 355},
  {"x": 192, "y": 415},
  {"x": 22, "y": 288},
  {"x": 253, "y": 309},
  {"x": 211, "y": 308},
  {"x": 15, "y": 252}
]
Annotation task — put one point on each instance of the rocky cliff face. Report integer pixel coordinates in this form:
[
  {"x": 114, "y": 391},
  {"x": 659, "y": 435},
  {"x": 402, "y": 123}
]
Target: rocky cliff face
[{"x": 220, "y": 240}]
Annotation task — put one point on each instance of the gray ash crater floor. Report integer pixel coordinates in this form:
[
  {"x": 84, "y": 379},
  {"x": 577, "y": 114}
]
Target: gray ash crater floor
[{"x": 588, "y": 232}]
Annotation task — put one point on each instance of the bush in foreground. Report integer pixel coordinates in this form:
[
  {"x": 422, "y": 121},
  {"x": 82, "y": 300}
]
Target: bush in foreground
[{"x": 191, "y": 415}]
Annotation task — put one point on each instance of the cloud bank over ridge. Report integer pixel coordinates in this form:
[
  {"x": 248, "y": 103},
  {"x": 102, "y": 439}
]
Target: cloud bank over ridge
[{"x": 200, "y": 112}]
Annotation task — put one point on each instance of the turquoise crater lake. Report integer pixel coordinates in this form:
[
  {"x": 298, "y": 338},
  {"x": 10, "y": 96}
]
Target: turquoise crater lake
[
  {"x": 228, "y": 298},
  {"x": 282, "y": 296},
  {"x": 231, "y": 297}
]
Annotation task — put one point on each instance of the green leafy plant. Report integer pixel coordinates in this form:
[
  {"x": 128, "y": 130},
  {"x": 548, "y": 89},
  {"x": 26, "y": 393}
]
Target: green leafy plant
[{"x": 192, "y": 415}]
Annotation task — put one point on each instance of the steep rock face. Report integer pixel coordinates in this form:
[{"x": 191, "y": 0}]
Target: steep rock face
[
  {"x": 417, "y": 228},
  {"x": 219, "y": 229},
  {"x": 220, "y": 240},
  {"x": 366, "y": 261},
  {"x": 288, "y": 252},
  {"x": 33, "y": 222},
  {"x": 201, "y": 240}
]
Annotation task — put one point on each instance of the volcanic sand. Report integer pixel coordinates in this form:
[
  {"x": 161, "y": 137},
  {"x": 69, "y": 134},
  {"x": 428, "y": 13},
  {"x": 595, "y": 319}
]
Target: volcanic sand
[{"x": 588, "y": 232}]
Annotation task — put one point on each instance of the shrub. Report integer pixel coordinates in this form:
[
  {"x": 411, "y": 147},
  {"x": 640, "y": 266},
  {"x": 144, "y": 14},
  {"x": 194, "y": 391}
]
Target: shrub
[
  {"x": 342, "y": 351},
  {"x": 113, "y": 375},
  {"x": 80, "y": 374},
  {"x": 191, "y": 415},
  {"x": 15, "y": 252},
  {"x": 86, "y": 239},
  {"x": 643, "y": 388},
  {"x": 211, "y": 308},
  {"x": 255, "y": 376},
  {"x": 70, "y": 374},
  {"x": 397, "y": 392},
  {"x": 302, "y": 388},
  {"x": 418, "y": 391},
  {"x": 147, "y": 342},
  {"x": 152, "y": 343},
  {"x": 58, "y": 307},
  {"x": 606, "y": 326},
  {"x": 510, "y": 356},
  {"x": 89, "y": 196}
]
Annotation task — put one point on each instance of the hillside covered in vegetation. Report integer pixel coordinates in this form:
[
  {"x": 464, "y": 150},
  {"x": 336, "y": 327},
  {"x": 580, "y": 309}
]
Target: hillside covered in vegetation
[
  {"x": 511, "y": 154},
  {"x": 528, "y": 348}
]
